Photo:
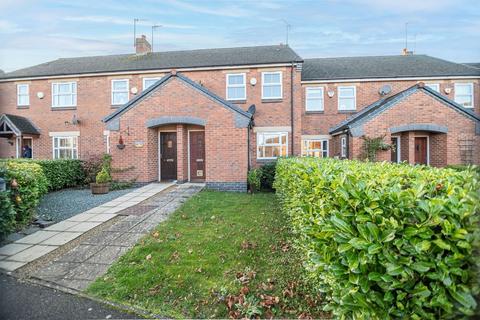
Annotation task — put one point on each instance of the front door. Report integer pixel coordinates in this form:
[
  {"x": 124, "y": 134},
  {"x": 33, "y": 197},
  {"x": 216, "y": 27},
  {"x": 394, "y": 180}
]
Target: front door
[
  {"x": 168, "y": 155},
  {"x": 197, "y": 156},
  {"x": 421, "y": 150},
  {"x": 27, "y": 148}
]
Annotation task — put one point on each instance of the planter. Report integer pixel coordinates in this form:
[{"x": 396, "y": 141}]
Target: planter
[{"x": 100, "y": 188}]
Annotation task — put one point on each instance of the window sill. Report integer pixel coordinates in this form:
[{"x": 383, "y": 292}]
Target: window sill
[
  {"x": 347, "y": 111},
  {"x": 267, "y": 159},
  {"x": 63, "y": 108},
  {"x": 115, "y": 106},
  {"x": 314, "y": 112},
  {"x": 23, "y": 107},
  {"x": 237, "y": 101},
  {"x": 272, "y": 100}
]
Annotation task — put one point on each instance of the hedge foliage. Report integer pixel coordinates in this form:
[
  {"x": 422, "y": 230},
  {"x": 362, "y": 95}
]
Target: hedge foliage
[
  {"x": 31, "y": 185},
  {"x": 385, "y": 240}
]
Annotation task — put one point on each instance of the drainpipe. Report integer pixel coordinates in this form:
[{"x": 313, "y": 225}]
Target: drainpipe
[
  {"x": 249, "y": 165},
  {"x": 291, "y": 107}
]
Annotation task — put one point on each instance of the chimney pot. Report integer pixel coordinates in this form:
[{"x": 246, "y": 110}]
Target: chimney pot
[{"x": 142, "y": 46}]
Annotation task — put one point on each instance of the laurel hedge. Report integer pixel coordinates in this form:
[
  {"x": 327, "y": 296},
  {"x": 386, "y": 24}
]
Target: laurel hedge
[{"x": 385, "y": 240}]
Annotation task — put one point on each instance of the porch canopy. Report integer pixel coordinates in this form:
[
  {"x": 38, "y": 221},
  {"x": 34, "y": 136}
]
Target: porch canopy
[{"x": 12, "y": 125}]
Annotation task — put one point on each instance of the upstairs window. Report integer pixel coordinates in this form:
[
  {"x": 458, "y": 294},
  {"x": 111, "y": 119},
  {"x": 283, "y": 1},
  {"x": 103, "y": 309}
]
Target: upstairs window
[
  {"x": 464, "y": 94},
  {"x": 236, "y": 86},
  {"x": 65, "y": 148},
  {"x": 347, "y": 98},
  {"x": 272, "y": 85},
  {"x": 23, "y": 97},
  {"x": 271, "y": 145},
  {"x": 433, "y": 86},
  {"x": 64, "y": 94},
  {"x": 314, "y": 99},
  {"x": 148, "y": 82},
  {"x": 119, "y": 91},
  {"x": 315, "y": 148}
]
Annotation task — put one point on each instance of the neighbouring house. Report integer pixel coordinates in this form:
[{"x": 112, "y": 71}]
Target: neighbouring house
[{"x": 210, "y": 115}]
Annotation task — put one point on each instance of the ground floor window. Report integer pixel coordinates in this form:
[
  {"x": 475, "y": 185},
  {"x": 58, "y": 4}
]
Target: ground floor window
[
  {"x": 65, "y": 147},
  {"x": 271, "y": 145},
  {"x": 315, "y": 148}
]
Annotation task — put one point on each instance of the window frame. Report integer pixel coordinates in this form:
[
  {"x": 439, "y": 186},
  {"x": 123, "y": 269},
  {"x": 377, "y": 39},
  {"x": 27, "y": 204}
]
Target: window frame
[
  {"x": 143, "y": 81},
  {"x": 435, "y": 85},
  {"x": 280, "y": 134},
  {"x": 281, "y": 85},
  {"x": 472, "y": 95},
  {"x": 354, "y": 97},
  {"x": 73, "y": 92},
  {"x": 113, "y": 91},
  {"x": 227, "y": 86},
  {"x": 305, "y": 150},
  {"x": 307, "y": 89},
  {"x": 343, "y": 147},
  {"x": 74, "y": 147},
  {"x": 23, "y": 94}
]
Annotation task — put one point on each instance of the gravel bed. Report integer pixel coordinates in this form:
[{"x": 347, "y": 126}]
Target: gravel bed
[{"x": 63, "y": 204}]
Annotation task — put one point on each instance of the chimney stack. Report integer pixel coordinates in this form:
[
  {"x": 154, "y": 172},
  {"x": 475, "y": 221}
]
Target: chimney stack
[
  {"x": 142, "y": 46},
  {"x": 406, "y": 52}
]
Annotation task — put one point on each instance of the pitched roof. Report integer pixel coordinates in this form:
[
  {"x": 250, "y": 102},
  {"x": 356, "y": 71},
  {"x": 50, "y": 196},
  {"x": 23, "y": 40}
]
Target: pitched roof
[
  {"x": 383, "y": 67},
  {"x": 161, "y": 60},
  {"x": 473, "y": 64},
  {"x": 382, "y": 104},
  {"x": 21, "y": 124},
  {"x": 130, "y": 104}
]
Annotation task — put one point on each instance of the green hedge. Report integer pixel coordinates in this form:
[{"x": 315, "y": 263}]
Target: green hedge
[
  {"x": 31, "y": 185},
  {"x": 384, "y": 240}
]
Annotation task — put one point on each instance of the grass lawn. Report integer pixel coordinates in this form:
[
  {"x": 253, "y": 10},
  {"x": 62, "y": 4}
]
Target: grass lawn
[{"x": 220, "y": 255}]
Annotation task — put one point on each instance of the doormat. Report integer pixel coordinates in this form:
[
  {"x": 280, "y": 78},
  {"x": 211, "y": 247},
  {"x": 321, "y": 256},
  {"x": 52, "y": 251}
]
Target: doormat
[{"x": 137, "y": 210}]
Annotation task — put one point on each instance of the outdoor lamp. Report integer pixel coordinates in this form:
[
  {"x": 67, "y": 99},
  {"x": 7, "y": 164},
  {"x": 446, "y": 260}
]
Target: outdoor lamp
[{"x": 3, "y": 185}]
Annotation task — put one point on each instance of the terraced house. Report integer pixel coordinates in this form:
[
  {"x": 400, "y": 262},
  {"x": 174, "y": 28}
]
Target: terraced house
[{"x": 210, "y": 115}]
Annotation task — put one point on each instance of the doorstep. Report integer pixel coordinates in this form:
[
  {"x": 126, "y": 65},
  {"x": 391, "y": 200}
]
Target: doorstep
[{"x": 38, "y": 244}]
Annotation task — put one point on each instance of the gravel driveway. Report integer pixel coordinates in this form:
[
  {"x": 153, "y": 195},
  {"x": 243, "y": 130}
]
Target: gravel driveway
[{"x": 61, "y": 205}]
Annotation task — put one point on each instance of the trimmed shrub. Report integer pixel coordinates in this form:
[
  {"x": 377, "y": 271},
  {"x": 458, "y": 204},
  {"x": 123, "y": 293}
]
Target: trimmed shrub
[
  {"x": 7, "y": 215},
  {"x": 383, "y": 240},
  {"x": 254, "y": 178},
  {"x": 103, "y": 176},
  {"x": 90, "y": 168},
  {"x": 31, "y": 185},
  {"x": 268, "y": 175}
]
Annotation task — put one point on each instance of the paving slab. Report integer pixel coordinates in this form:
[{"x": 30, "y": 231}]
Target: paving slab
[
  {"x": 103, "y": 238},
  {"x": 102, "y": 217},
  {"x": 84, "y": 226},
  {"x": 62, "y": 226},
  {"x": 80, "y": 253},
  {"x": 113, "y": 210},
  {"x": 11, "y": 265},
  {"x": 54, "y": 270},
  {"x": 108, "y": 255},
  {"x": 37, "y": 237},
  {"x": 87, "y": 271},
  {"x": 61, "y": 238},
  {"x": 82, "y": 217},
  {"x": 32, "y": 253},
  {"x": 13, "y": 248}
]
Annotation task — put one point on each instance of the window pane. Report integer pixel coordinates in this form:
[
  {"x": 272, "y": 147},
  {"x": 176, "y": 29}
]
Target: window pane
[
  {"x": 23, "y": 100},
  {"x": 272, "y": 139},
  {"x": 346, "y": 92},
  {"x": 347, "y": 104},
  {"x": 271, "y": 78},
  {"x": 434, "y": 86},
  {"x": 23, "y": 89},
  {"x": 465, "y": 101},
  {"x": 235, "y": 79},
  {"x": 120, "y": 85},
  {"x": 236, "y": 93},
  {"x": 463, "y": 89},
  {"x": 314, "y": 104},
  {"x": 314, "y": 93},
  {"x": 64, "y": 88},
  {"x": 120, "y": 97},
  {"x": 271, "y": 91},
  {"x": 64, "y": 100},
  {"x": 150, "y": 82}
]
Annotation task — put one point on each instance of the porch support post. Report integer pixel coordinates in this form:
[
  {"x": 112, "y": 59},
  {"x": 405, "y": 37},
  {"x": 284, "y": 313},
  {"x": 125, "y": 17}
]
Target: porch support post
[{"x": 182, "y": 153}]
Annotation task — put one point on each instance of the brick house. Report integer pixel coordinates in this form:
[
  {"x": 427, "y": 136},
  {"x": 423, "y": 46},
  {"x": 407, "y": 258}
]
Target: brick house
[{"x": 210, "y": 115}]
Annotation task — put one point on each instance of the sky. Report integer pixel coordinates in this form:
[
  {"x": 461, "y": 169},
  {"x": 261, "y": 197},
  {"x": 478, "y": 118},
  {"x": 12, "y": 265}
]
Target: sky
[{"x": 37, "y": 31}]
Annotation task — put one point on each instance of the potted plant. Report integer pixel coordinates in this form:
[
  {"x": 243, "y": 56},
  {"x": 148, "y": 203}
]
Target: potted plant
[{"x": 102, "y": 182}]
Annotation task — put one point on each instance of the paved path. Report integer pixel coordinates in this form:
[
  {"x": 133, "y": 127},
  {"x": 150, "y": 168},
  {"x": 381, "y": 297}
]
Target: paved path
[
  {"x": 79, "y": 266},
  {"x": 41, "y": 243},
  {"x": 19, "y": 301}
]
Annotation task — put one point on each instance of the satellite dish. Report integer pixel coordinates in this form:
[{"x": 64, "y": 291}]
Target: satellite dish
[
  {"x": 252, "y": 109},
  {"x": 385, "y": 89}
]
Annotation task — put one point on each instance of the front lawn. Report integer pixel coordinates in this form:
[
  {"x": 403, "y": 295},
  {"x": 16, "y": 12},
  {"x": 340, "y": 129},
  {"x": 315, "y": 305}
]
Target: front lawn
[{"x": 220, "y": 255}]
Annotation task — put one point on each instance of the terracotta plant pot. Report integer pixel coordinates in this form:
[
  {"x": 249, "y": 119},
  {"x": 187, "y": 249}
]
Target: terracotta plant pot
[{"x": 100, "y": 188}]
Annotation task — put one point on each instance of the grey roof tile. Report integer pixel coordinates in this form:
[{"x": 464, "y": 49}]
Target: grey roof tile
[
  {"x": 22, "y": 124},
  {"x": 161, "y": 60},
  {"x": 383, "y": 67}
]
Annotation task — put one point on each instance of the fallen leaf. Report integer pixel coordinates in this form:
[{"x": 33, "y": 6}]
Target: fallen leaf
[{"x": 148, "y": 257}]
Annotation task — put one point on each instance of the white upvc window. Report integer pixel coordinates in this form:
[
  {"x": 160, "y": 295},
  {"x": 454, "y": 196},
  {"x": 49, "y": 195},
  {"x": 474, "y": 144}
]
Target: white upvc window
[
  {"x": 433, "y": 86},
  {"x": 119, "y": 91},
  {"x": 347, "y": 98},
  {"x": 464, "y": 94},
  {"x": 148, "y": 82},
  {"x": 23, "y": 97},
  {"x": 314, "y": 99},
  {"x": 64, "y": 94},
  {"x": 343, "y": 147},
  {"x": 271, "y": 145},
  {"x": 315, "y": 148},
  {"x": 236, "y": 86},
  {"x": 65, "y": 147},
  {"x": 272, "y": 85}
]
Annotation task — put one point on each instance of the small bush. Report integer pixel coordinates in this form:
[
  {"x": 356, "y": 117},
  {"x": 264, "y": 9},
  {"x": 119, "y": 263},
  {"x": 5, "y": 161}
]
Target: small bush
[
  {"x": 383, "y": 240},
  {"x": 7, "y": 215},
  {"x": 90, "y": 168},
  {"x": 103, "y": 176},
  {"x": 268, "y": 175},
  {"x": 31, "y": 186},
  {"x": 253, "y": 179},
  {"x": 120, "y": 185}
]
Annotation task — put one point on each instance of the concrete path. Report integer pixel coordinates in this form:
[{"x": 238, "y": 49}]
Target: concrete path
[
  {"x": 20, "y": 301},
  {"x": 81, "y": 264},
  {"x": 43, "y": 242}
]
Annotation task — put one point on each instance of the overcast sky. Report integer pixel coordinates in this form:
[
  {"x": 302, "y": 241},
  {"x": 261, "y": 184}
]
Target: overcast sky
[{"x": 33, "y": 32}]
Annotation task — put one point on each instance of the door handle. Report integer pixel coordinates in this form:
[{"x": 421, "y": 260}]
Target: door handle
[
  {"x": 169, "y": 160},
  {"x": 199, "y": 160}
]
